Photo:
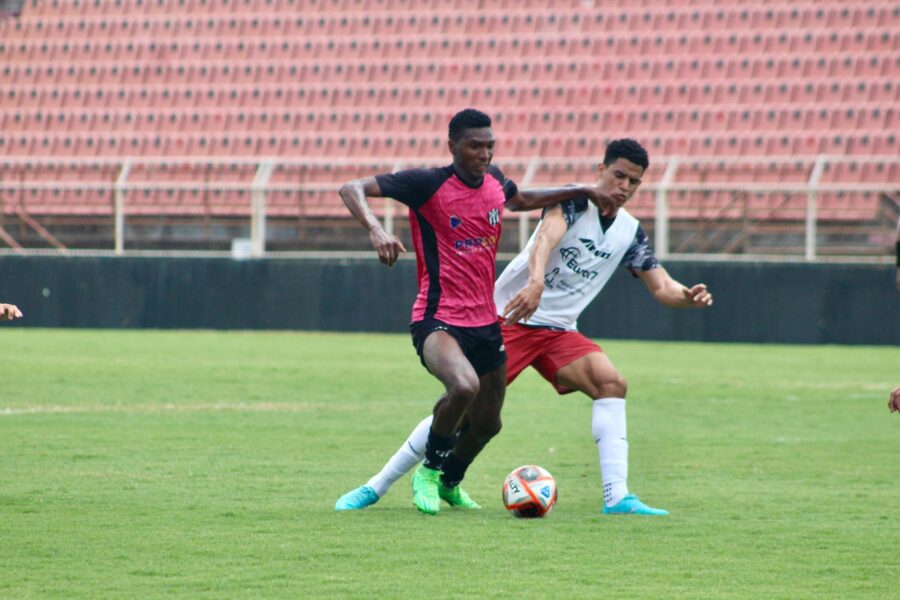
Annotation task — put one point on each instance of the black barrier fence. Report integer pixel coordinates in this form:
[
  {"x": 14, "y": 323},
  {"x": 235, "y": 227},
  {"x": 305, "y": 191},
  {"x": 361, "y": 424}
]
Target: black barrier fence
[{"x": 754, "y": 302}]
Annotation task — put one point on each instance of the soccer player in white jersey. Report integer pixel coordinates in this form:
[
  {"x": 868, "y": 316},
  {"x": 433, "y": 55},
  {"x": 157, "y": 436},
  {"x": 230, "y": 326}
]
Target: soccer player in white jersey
[{"x": 570, "y": 257}]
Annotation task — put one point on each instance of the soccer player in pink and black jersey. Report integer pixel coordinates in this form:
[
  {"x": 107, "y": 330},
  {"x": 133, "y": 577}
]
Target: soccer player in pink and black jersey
[{"x": 455, "y": 213}]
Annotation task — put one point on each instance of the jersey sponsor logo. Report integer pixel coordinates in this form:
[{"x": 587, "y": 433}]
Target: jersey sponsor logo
[
  {"x": 562, "y": 285},
  {"x": 570, "y": 257},
  {"x": 593, "y": 249},
  {"x": 493, "y": 216},
  {"x": 455, "y": 221},
  {"x": 475, "y": 244},
  {"x": 550, "y": 278}
]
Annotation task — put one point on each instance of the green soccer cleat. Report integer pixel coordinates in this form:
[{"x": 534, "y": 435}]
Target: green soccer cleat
[
  {"x": 457, "y": 497},
  {"x": 357, "y": 499},
  {"x": 425, "y": 484},
  {"x": 632, "y": 505}
]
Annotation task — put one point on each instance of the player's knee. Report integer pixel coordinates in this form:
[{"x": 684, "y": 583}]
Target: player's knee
[
  {"x": 618, "y": 386},
  {"x": 463, "y": 389},
  {"x": 614, "y": 386}
]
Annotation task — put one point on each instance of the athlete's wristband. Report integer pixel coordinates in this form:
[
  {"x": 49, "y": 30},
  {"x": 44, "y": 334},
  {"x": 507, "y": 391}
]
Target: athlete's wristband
[{"x": 898, "y": 253}]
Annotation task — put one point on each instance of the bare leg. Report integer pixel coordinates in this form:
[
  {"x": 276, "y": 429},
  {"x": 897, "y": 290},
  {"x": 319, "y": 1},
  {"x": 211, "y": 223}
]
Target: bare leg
[
  {"x": 446, "y": 361},
  {"x": 594, "y": 375},
  {"x": 481, "y": 423}
]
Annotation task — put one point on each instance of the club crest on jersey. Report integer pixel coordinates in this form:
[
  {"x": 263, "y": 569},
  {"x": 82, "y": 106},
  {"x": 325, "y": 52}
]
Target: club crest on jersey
[
  {"x": 493, "y": 216},
  {"x": 455, "y": 221}
]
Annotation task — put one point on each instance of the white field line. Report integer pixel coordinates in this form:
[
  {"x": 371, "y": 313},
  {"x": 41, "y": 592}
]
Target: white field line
[{"x": 273, "y": 407}]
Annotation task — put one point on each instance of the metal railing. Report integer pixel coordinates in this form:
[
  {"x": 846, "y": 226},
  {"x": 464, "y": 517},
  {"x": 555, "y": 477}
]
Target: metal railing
[{"x": 38, "y": 175}]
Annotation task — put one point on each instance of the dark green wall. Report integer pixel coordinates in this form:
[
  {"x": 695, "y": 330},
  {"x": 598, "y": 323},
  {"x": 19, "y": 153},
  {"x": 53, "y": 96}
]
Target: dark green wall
[{"x": 755, "y": 302}]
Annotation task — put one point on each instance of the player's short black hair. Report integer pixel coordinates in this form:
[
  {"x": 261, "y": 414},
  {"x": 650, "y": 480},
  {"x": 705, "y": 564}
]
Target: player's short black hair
[
  {"x": 628, "y": 149},
  {"x": 467, "y": 119}
]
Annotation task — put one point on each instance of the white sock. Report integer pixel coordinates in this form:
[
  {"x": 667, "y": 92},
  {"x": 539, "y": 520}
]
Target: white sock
[
  {"x": 608, "y": 427},
  {"x": 405, "y": 458}
]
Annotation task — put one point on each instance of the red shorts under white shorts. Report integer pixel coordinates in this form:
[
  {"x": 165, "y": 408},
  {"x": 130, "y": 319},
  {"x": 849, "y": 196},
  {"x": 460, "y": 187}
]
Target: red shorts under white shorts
[{"x": 547, "y": 350}]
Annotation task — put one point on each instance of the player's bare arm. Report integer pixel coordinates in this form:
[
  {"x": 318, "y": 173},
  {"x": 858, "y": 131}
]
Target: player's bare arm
[
  {"x": 550, "y": 231},
  {"x": 894, "y": 400},
  {"x": 533, "y": 198},
  {"x": 672, "y": 293},
  {"x": 8, "y": 312},
  {"x": 354, "y": 194}
]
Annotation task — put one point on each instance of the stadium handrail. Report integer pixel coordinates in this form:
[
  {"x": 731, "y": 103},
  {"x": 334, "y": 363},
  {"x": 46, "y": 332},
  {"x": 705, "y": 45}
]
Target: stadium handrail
[{"x": 258, "y": 185}]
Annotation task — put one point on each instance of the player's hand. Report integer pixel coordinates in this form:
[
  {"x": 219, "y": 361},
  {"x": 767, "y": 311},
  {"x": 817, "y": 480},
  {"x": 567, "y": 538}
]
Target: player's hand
[
  {"x": 894, "y": 402},
  {"x": 698, "y": 296},
  {"x": 523, "y": 304},
  {"x": 8, "y": 312},
  {"x": 388, "y": 246},
  {"x": 605, "y": 203}
]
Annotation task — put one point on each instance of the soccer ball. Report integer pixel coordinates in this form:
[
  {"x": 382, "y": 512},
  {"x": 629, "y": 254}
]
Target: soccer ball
[{"x": 529, "y": 492}]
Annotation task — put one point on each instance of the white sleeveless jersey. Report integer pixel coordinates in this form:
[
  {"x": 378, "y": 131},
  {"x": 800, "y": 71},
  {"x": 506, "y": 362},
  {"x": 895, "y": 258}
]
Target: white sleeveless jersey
[{"x": 579, "y": 267}]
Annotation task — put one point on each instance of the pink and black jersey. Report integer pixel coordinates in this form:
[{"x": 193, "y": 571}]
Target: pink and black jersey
[{"x": 455, "y": 230}]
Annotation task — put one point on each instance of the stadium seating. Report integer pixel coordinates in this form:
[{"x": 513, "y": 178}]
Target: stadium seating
[
  {"x": 379, "y": 79},
  {"x": 648, "y": 65}
]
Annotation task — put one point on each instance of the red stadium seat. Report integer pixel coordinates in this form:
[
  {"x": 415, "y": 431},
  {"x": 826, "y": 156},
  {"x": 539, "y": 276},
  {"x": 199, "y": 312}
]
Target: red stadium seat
[{"x": 355, "y": 79}]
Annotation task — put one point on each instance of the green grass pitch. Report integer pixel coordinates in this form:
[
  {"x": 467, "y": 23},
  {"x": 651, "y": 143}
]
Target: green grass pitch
[{"x": 206, "y": 465}]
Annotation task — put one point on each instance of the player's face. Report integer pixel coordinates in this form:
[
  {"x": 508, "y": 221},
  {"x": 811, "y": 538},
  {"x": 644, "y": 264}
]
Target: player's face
[
  {"x": 621, "y": 179},
  {"x": 472, "y": 152}
]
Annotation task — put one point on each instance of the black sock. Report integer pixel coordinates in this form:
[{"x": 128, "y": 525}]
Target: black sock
[
  {"x": 454, "y": 469},
  {"x": 437, "y": 449}
]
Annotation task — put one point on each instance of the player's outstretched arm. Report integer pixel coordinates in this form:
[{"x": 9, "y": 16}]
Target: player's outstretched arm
[
  {"x": 672, "y": 293},
  {"x": 8, "y": 312},
  {"x": 354, "y": 194},
  {"x": 533, "y": 198},
  {"x": 550, "y": 231},
  {"x": 894, "y": 400}
]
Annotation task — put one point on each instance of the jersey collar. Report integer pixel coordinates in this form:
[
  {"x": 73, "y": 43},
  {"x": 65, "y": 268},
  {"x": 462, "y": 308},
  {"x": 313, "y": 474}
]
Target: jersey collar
[{"x": 463, "y": 181}]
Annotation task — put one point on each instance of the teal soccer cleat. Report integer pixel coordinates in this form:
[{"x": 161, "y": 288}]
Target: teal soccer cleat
[
  {"x": 357, "y": 499},
  {"x": 632, "y": 505}
]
